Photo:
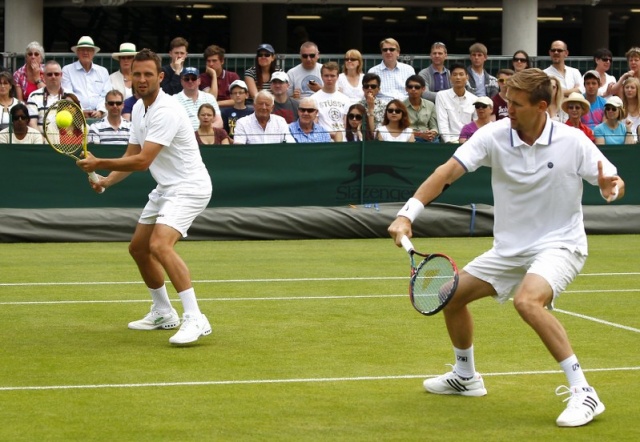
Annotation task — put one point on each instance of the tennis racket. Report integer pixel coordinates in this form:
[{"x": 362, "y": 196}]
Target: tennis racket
[
  {"x": 72, "y": 140},
  {"x": 433, "y": 281}
]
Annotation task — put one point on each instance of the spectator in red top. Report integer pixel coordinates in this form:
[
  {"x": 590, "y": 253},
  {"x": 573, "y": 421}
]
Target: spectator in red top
[
  {"x": 575, "y": 105},
  {"x": 214, "y": 58}
]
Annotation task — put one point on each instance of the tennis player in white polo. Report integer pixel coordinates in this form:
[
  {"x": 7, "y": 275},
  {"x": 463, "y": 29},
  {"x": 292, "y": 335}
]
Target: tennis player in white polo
[
  {"x": 540, "y": 245},
  {"x": 162, "y": 140}
]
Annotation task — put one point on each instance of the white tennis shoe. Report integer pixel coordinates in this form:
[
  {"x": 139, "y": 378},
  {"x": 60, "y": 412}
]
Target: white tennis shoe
[
  {"x": 155, "y": 320},
  {"x": 583, "y": 405},
  {"x": 451, "y": 383},
  {"x": 193, "y": 326}
]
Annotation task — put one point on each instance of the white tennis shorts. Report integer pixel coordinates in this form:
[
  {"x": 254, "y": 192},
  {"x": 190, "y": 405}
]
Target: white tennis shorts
[
  {"x": 557, "y": 266},
  {"x": 175, "y": 208}
]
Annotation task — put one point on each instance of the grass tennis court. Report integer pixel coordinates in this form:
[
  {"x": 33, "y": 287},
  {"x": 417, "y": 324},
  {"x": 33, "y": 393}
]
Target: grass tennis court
[{"x": 312, "y": 340}]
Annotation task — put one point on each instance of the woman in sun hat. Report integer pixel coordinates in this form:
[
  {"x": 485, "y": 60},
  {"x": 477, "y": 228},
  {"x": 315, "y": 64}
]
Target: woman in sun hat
[
  {"x": 121, "y": 79},
  {"x": 575, "y": 105}
]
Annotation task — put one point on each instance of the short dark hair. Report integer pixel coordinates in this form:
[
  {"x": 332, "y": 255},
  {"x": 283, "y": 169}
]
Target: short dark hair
[
  {"x": 214, "y": 50},
  {"x": 19, "y": 107},
  {"x": 177, "y": 42},
  {"x": 415, "y": 79},
  {"x": 455, "y": 66},
  {"x": 371, "y": 76},
  {"x": 602, "y": 53},
  {"x": 148, "y": 55}
]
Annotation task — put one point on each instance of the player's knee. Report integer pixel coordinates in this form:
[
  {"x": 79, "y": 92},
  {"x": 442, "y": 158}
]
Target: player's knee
[{"x": 527, "y": 306}]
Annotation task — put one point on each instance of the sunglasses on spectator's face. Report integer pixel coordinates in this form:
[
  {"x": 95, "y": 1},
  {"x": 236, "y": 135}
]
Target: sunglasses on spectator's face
[
  {"x": 53, "y": 74},
  {"x": 574, "y": 107},
  {"x": 414, "y": 86},
  {"x": 354, "y": 117},
  {"x": 20, "y": 117},
  {"x": 189, "y": 78},
  {"x": 394, "y": 110},
  {"x": 610, "y": 108},
  {"x": 350, "y": 59},
  {"x": 388, "y": 49},
  {"x": 556, "y": 50},
  {"x": 33, "y": 54},
  {"x": 114, "y": 103},
  {"x": 480, "y": 106},
  {"x": 370, "y": 86},
  {"x": 519, "y": 60},
  {"x": 606, "y": 59},
  {"x": 307, "y": 110},
  {"x": 264, "y": 55},
  {"x": 308, "y": 55}
]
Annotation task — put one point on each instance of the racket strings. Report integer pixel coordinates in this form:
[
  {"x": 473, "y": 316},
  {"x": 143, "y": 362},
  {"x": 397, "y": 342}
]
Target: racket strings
[
  {"x": 432, "y": 284},
  {"x": 69, "y": 140}
]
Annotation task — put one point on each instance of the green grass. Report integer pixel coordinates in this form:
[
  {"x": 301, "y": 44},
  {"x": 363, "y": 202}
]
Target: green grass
[{"x": 305, "y": 347}]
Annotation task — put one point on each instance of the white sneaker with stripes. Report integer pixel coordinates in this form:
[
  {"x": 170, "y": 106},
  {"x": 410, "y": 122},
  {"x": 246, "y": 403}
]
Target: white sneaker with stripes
[
  {"x": 582, "y": 406},
  {"x": 451, "y": 383}
]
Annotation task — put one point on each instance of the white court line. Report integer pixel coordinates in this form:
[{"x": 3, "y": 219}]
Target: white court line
[
  {"x": 226, "y": 281},
  {"x": 600, "y": 321},
  {"x": 286, "y": 381}
]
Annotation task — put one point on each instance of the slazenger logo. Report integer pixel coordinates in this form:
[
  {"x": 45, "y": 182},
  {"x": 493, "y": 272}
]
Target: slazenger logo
[{"x": 372, "y": 169}]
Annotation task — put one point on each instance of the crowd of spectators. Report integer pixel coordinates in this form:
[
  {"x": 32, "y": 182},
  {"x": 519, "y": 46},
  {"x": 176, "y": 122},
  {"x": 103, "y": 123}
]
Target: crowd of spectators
[{"x": 321, "y": 102}]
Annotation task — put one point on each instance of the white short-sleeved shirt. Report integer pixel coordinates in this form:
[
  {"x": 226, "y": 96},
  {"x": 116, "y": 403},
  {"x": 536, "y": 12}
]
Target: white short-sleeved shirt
[
  {"x": 537, "y": 189},
  {"x": 571, "y": 78},
  {"x": 332, "y": 109},
  {"x": 179, "y": 162}
]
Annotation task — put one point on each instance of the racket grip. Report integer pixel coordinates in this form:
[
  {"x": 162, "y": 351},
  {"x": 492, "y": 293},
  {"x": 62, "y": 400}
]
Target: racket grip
[
  {"x": 93, "y": 177},
  {"x": 406, "y": 243}
]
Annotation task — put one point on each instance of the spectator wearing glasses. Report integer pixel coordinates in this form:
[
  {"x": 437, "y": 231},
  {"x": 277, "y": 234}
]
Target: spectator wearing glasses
[
  {"x": 332, "y": 104},
  {"x": 356, "y": 117},
  {"x": 29, "y": 77},
  {"x": 112, "y": 129},
  {"x": 7, "y": 98},
  {"x": 422, "y": 112},
  {"x": 633, "y": 60},
  {"x": 258, "y": 77},
  {"x": 216, "y": 80},
  {"x": 375, "y": 106},
  {"x": 570, "y": 78},
  {"x": 436, "y": 77},
  {"x": 350, "y": 80},
  {"x": 520, "y": 61},
  {"x": 178, "y": 51},
  {"x": 393, "y": 74},
  {"x": 500, "y": 107},
  {"x": 480, "y": 83},
  {"x": 20, "y": 132},
  {"x": 305, "y": 79},
  {"x": 191, "y": 98},
  {"x": 454, "y": 106},
  {"x": 121, "y": 79},
  {"x": 484, "y": 110},
  {"x": 595, "y": 115},
  {"x": 305, "y": 129},
  {"x": 612, "y": 130},
  {"x": 284, "y": 105},
  {"x": 575, "y": 105},
  {"x": 602, "y": 59},
  {"x": 396, "y": 125},
  {"x": 40, "y": 100}
]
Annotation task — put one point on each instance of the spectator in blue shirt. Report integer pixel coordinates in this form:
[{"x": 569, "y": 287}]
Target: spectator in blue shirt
[{"x": 305, "y": 130}]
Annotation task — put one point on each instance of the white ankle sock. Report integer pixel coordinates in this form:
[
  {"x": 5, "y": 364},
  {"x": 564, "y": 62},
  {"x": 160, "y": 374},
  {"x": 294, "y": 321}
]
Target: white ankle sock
[
  {"x": 575, "y": 375},
  {"x": 160, "y": 299},
  {"x": 189, "y": 302},
  {"x": 465, "y": 366}
]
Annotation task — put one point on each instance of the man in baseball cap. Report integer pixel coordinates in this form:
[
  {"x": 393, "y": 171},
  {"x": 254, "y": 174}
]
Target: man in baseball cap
[{"x": 284, "y": 106}]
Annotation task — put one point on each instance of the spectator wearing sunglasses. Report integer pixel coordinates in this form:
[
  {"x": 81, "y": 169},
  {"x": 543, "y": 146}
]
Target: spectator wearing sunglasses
[
  {"x": 393, "y": 74},
  {"x": 350, "y": 80},
  {"x": 258, "y": 76},
  {"x": 436, "y": 77},
  {"x": 484, "y": 110},
  {"x": 422, "y": 112},
  {"x": 396, "y": 125},
  {"x": 500, "y": 107},
  {"x": 20, "y": 132},
  {"x": 375, "y": 106},
  {"x": 520, "y": 61},
  {"x": 30, "y": 76},
  {"x": 305, "y": 129},
  {"x": 570, "y": 78},
  {"x": 305, "y": 79},
  {"x": 112, "y": 129},
  {"x": 357, "y": 128},
  {"x": 575, "y": 105},
  {"x": 612, "y": 130},
  {"x": 480, "y": 83},
  {"x": 602, "y": 59},
  {"x": 191, "y": 97},
  {"x": 40, "y": 100}
]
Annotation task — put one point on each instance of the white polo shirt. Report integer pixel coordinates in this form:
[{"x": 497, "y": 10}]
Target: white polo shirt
[
  {"x": 537, "y": 189},
  {"x": 179, "y": 162}
]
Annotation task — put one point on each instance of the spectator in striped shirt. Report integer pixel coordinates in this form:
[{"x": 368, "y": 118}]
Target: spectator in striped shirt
[{"x": 112, "y": 129}]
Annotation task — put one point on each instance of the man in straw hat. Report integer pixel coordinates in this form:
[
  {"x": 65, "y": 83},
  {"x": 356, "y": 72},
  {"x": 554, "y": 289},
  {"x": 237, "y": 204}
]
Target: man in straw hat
[
  {"x": 575, "y": 105},
  {"x": 87, "y": 80},
  {"x": 121, "y": 79}
]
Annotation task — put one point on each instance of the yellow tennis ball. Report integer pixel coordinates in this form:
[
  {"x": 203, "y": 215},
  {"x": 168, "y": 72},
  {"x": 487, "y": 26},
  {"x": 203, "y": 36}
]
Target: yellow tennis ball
[{"x": 64, "y": 119}]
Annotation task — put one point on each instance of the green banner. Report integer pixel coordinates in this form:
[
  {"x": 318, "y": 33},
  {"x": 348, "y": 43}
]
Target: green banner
[{"x": 273, "y": 175}]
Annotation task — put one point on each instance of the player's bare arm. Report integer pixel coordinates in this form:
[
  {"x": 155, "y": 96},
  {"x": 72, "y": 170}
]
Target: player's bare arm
[
  {"x": 429, "y": 190},
  {"x": 611, "y": 187}
]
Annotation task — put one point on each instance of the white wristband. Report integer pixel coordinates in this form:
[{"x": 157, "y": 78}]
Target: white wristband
[
  {"x": 613, "y": 196},
  {"x": 411, "y": 209}
]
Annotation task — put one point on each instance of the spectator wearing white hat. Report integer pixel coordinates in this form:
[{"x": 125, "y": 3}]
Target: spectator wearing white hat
[
  {"x": 612, "y": 130},
  {"x": 239, "y": 93},
  {"x": 484, "y": 110},
  {"x": 121, "y": 79},
  {"x": 575, "y": 105},
  {"x": 284, "y": 106},
  {"x": 87, "y": 80}
]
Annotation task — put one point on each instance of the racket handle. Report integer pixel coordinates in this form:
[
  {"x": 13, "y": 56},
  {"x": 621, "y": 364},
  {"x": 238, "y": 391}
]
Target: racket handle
[
  {"x": 94, "y": 178},
  {"x": 406, "y": 243}
]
